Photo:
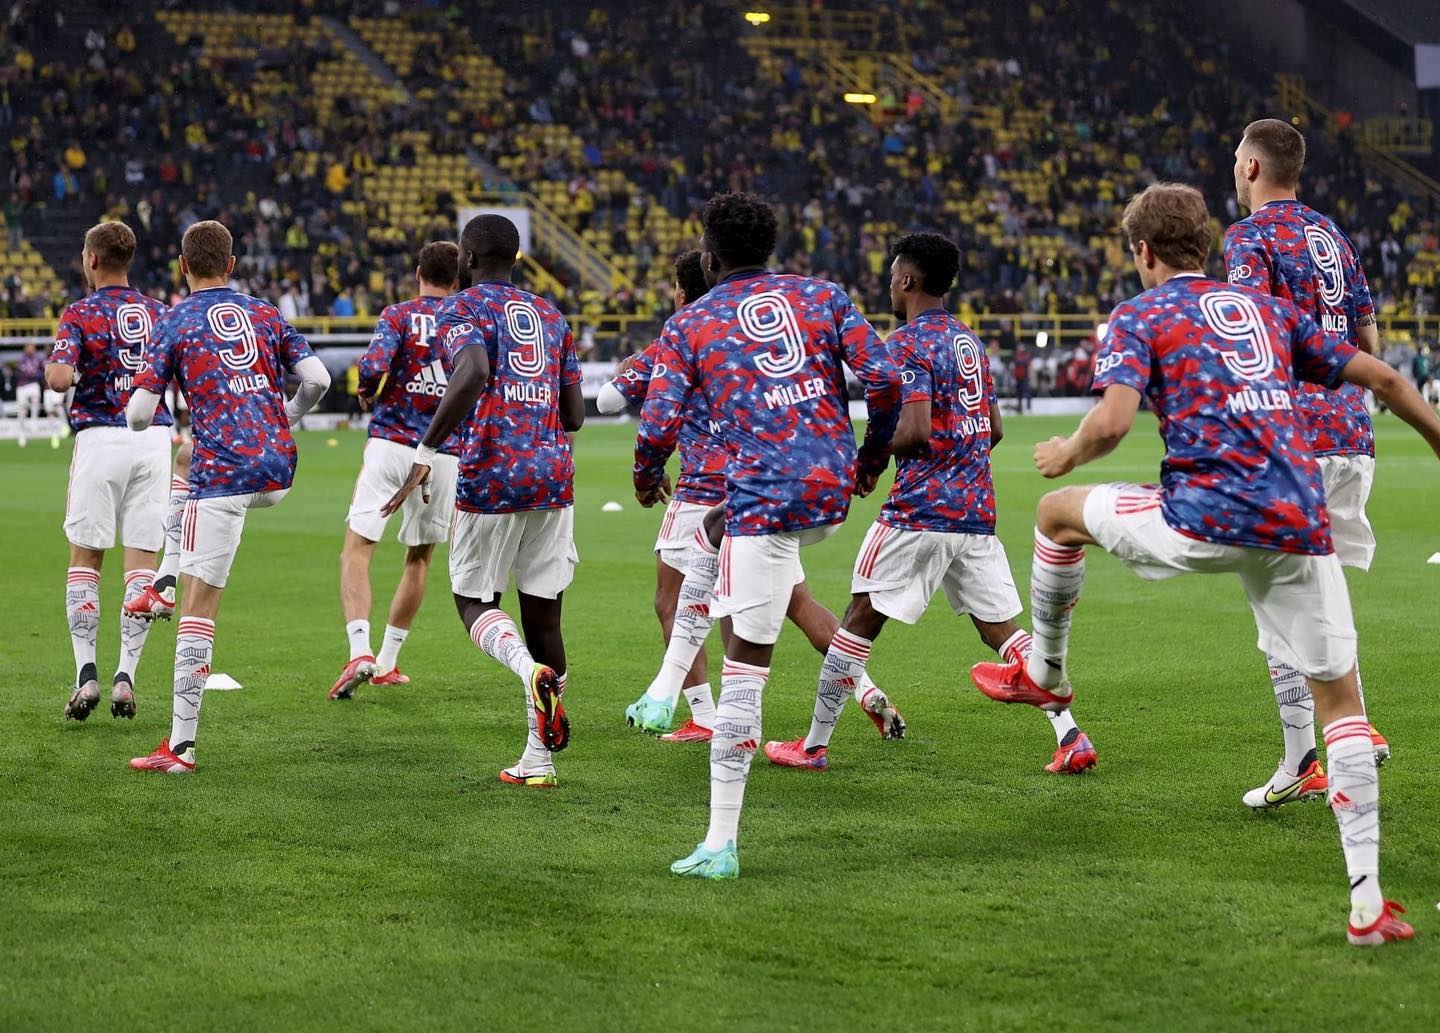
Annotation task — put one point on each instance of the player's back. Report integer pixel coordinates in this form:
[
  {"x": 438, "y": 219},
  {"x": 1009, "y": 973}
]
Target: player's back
[
  {"x": 947, "y": 486},
  {"x": 104, "y": 336},
  {"x": 767, "y": 350},
  {"x": 405, "y": 351},
  {"x": 1291, "y": 251},
  {"x": 702, "y": 447},
  {"x": 516, "y": 454},
  {"x": 230, "y": 353},
  {"x": 1220, "y": 365}
]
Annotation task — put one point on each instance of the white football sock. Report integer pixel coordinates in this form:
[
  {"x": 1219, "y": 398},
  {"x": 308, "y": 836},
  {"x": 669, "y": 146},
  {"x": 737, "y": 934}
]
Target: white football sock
[
  {"x": 1355, "y": 798},
  {"x": 82, "y": 609},
  {"x": 389, "y": 656},
  {"x": 692, "y": 620},
  {"x": 169, "y": 570},
  {"x": 733, "y": 746},
  {"x": 133, "y": 630},
  {"x": 702, "y": 704},
  {"x": 194, "y": 648},
  {"x": 358, "y": 632},
  {"x": 495, "y": 633},
  {"x": 1057, "y": 573},
  {"x": 841, "y": 673},
  {"x": 1297, "y": 713}
]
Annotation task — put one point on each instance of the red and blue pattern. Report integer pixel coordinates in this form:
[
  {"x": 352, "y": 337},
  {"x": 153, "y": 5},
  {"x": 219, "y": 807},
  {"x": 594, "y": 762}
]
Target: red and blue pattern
[
  {"x": 702, "y": 451},
  {"x": 765, "y": 352},
  {"x": 1293, "y": 252},
  {"x": 30, "y": 369},
  {"x": 403, "y": 352},
  {"x": 230, "y": 353},
  {"x": 515, "y": 455},
  {"x": 1220, "y": 366},
  {"x": 946, "y": 487},
  {"x": 103, "y": 337}
]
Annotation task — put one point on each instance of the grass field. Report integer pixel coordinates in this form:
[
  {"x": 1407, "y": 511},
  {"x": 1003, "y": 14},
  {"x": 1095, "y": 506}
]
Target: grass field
[{"x": 357, "y": 866}]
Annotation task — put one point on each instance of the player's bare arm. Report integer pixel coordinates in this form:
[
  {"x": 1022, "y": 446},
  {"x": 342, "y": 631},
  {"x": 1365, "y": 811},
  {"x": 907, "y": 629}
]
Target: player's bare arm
[
  {"x": 59, "y": 376},
  {"x": 1367, "y": 334},
  {"x": 913, "y": 430},
  {"x": 572, "y": 407},
  {"x": 467, "y": 382},
  {"x": 997, "y": 427},
  {"x": 1102, "y": 429},
  {"x": 1396, "y": 393}
]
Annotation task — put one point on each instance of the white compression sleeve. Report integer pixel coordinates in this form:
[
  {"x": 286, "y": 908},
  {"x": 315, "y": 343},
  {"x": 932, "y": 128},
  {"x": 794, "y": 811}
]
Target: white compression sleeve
[
  {"x": 314, "y": 382},
  {"x": 610, "y": 401},
  {"x": 140, "y": 412}
]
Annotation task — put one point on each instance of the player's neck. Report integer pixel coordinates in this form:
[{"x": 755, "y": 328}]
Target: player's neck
[
  {"x": 1262, "y": 194},
  {"x": 427, "y": 291},
  {"x": 197, "y": 284},
  {"x": 920, "y": 304},
  {"x": 499, "y": 274},
  {"x": 1164, "y": 274},
  {"x": 103, "y": 280}
]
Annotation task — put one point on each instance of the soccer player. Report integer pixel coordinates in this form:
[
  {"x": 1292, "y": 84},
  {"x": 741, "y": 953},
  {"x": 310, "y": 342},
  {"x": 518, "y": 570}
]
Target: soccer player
[
  {"x": 695, "y": 510},
  {"x": 117, "y": 479},
  {"x": 765, "y": 351},
  {"x": 937, "y": 528},
  {"x": 230, "y": 353},
  {"x": 1293, "y": 252},
  {"x": 1240, "y": 493},
  {"x": 516, "y": 386},
  {"x": 29, "y": 378},
  {"x": 415, "y": 375}
]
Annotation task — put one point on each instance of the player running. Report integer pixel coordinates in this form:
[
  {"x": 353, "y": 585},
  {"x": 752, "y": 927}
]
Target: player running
[
  {"x": 937, "y": 528},
  {"x": 765, "y": 351},
  {"x": 29, "y": 381},
  {"x": 414, "y": 382},
  {"x": 117, "y": 479},
  {"x": 1240, "y": 493},
  {"x": 1293, "y": 252},
  {"x": 517, "y": 381},
  {"x": 686, "y": 568},
  {"x": 230, "y": 353}
]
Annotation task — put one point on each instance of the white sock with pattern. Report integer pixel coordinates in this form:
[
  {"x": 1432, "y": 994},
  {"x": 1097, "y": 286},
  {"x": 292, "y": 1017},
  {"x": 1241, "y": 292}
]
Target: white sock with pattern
[
  {"x": 1057, "y": 573},
  {"x": 733, "y": 746}
]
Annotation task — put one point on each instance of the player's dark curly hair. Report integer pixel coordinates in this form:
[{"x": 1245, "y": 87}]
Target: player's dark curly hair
[
  {"x": 937, "y": 258},
  {"x": 689, "y": 277},
  {"x": 740, "y": 228}
]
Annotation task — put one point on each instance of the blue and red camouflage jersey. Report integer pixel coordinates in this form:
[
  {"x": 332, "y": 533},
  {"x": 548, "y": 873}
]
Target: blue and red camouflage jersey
[
  {"x": 765, "y": 350},
  {"x": 1293, "y": 252},
  {"x": 417, "y": 373},
  {"x": 104, "y": 337},
  {"x": 230, "y": 353},
  {"x": 702, "y": 450},
  {"x": 515, "y": 456},
  {"x": 946, "y": 487},
  {"x": 1220, "y": 366},
  {"x": 30, "y": 370}
]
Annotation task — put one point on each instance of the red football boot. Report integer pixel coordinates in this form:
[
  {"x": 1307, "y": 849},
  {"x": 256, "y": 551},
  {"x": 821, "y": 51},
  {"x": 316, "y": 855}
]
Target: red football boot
[
  {"x": 393, "y": 676},
  {"x": 1011, "y": 683},
  {"x": 793, "y": 754},
  {"x": 1079, "y": 756},
  {"x": 688, "y": 732},
  {"x": 163, "y": 761},
  {"x": 1385, "y": 929},
  {"x": 150, "y": 605},
  {"x": 357, "y": 672}
]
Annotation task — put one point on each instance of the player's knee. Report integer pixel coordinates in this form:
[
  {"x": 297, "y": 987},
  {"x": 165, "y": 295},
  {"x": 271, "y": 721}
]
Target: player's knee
[
  {"x": 418, "y": 557},
  {"x": 1059, "y": 516},
  {"x": 863, "y": 619},
  {"x": 715, "y": 525},
  {"x": 182, "y": 459},
  {"x": 664, "y": 605}
]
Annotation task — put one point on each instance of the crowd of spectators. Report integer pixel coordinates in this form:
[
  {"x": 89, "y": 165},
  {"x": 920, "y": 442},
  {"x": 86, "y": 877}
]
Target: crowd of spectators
[{"x": 1061, "y": 116}]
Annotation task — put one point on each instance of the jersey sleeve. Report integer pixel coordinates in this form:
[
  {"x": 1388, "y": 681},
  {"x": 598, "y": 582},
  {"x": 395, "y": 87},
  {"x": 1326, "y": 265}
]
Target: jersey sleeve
[
  {"x": 570, "y": 374},
  {"x": 870, "y": 360},
  {"x": 917, "y": 378},
  {"x": 459, "y": 325},
  {"x": 380, "y": 353},
  {"x": 1316, "y": 357},
  {"x": 633, "y": 383},
  {"x": 69, "y": 338},
  {"x": 671, "y": 382},
  {"x": 1125, "y": 356},
  {"x": 159, "y": 364},
  {"x": 1247, "y": 263},
  {"x": 293, "y": 345}
]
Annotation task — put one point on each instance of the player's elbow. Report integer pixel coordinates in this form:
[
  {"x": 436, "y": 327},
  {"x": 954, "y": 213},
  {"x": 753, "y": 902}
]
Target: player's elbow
[
  {"x": 1110, "y": 427},
  {"x": 1386, "y": 382},
  {"x": 571, "y": 420},
  {"x": 59, "y": 377}
]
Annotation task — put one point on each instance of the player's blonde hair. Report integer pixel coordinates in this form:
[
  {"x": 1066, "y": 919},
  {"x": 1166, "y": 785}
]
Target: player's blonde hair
[
  {"x": 113, "y": 243},
  {"x": 206, "y": 248},
  {"x": 1173, "y": 220}
]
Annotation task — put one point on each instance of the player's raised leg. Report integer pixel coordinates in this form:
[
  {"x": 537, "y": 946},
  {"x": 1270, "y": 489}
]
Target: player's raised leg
[
  {"x": 355, "y": 600},
  {"x": 697, "y": 692},
  {"x": 820, "y": 626},
  {"x": 157, "y": 601},
  {"x": 404, "y": 605}
]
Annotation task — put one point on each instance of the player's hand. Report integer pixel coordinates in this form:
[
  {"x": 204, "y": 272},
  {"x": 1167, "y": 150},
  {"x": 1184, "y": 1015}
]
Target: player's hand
[
  {"x": 660, "y": 493},
  {"x": 626, "y": 364},
  {"x": 366, "y": 401},
  {"x": 419, "y": 478},
  {"x": 1052, "y": 458},
  {"x": 865, "y": 483}
]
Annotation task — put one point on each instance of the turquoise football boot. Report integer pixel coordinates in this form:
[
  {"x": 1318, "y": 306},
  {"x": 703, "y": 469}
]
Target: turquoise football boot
[
  {"x": 710, "y": 864},
  {"x": 650, "y": 715}
]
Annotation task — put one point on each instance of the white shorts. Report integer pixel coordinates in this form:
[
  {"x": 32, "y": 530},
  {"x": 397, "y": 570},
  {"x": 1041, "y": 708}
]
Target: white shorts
[
  {"x": 382, "y": 471},
  {"x": 119, "y": 479},
  {"x": 901, "y": 571},
  {"x": 758, "y": 573},
  {"x": 1347, "y": 489},
  {"x": 537, "y": 546},
  {"x": 55, "y": 403},
  {"x": 677, "y": 533},
  {"x": 1301, "y": 603},
  {"x": 27, "y": 399},
  {"x": 210, "y": 533}
]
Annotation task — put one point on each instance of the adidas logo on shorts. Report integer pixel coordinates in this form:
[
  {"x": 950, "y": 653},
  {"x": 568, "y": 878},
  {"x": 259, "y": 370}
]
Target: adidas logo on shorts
[{"x": 429, "y": 381}]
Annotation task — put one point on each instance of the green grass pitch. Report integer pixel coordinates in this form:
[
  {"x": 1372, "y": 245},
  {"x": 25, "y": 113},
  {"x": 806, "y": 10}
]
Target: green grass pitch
[{"x": 357, "y": 866}]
